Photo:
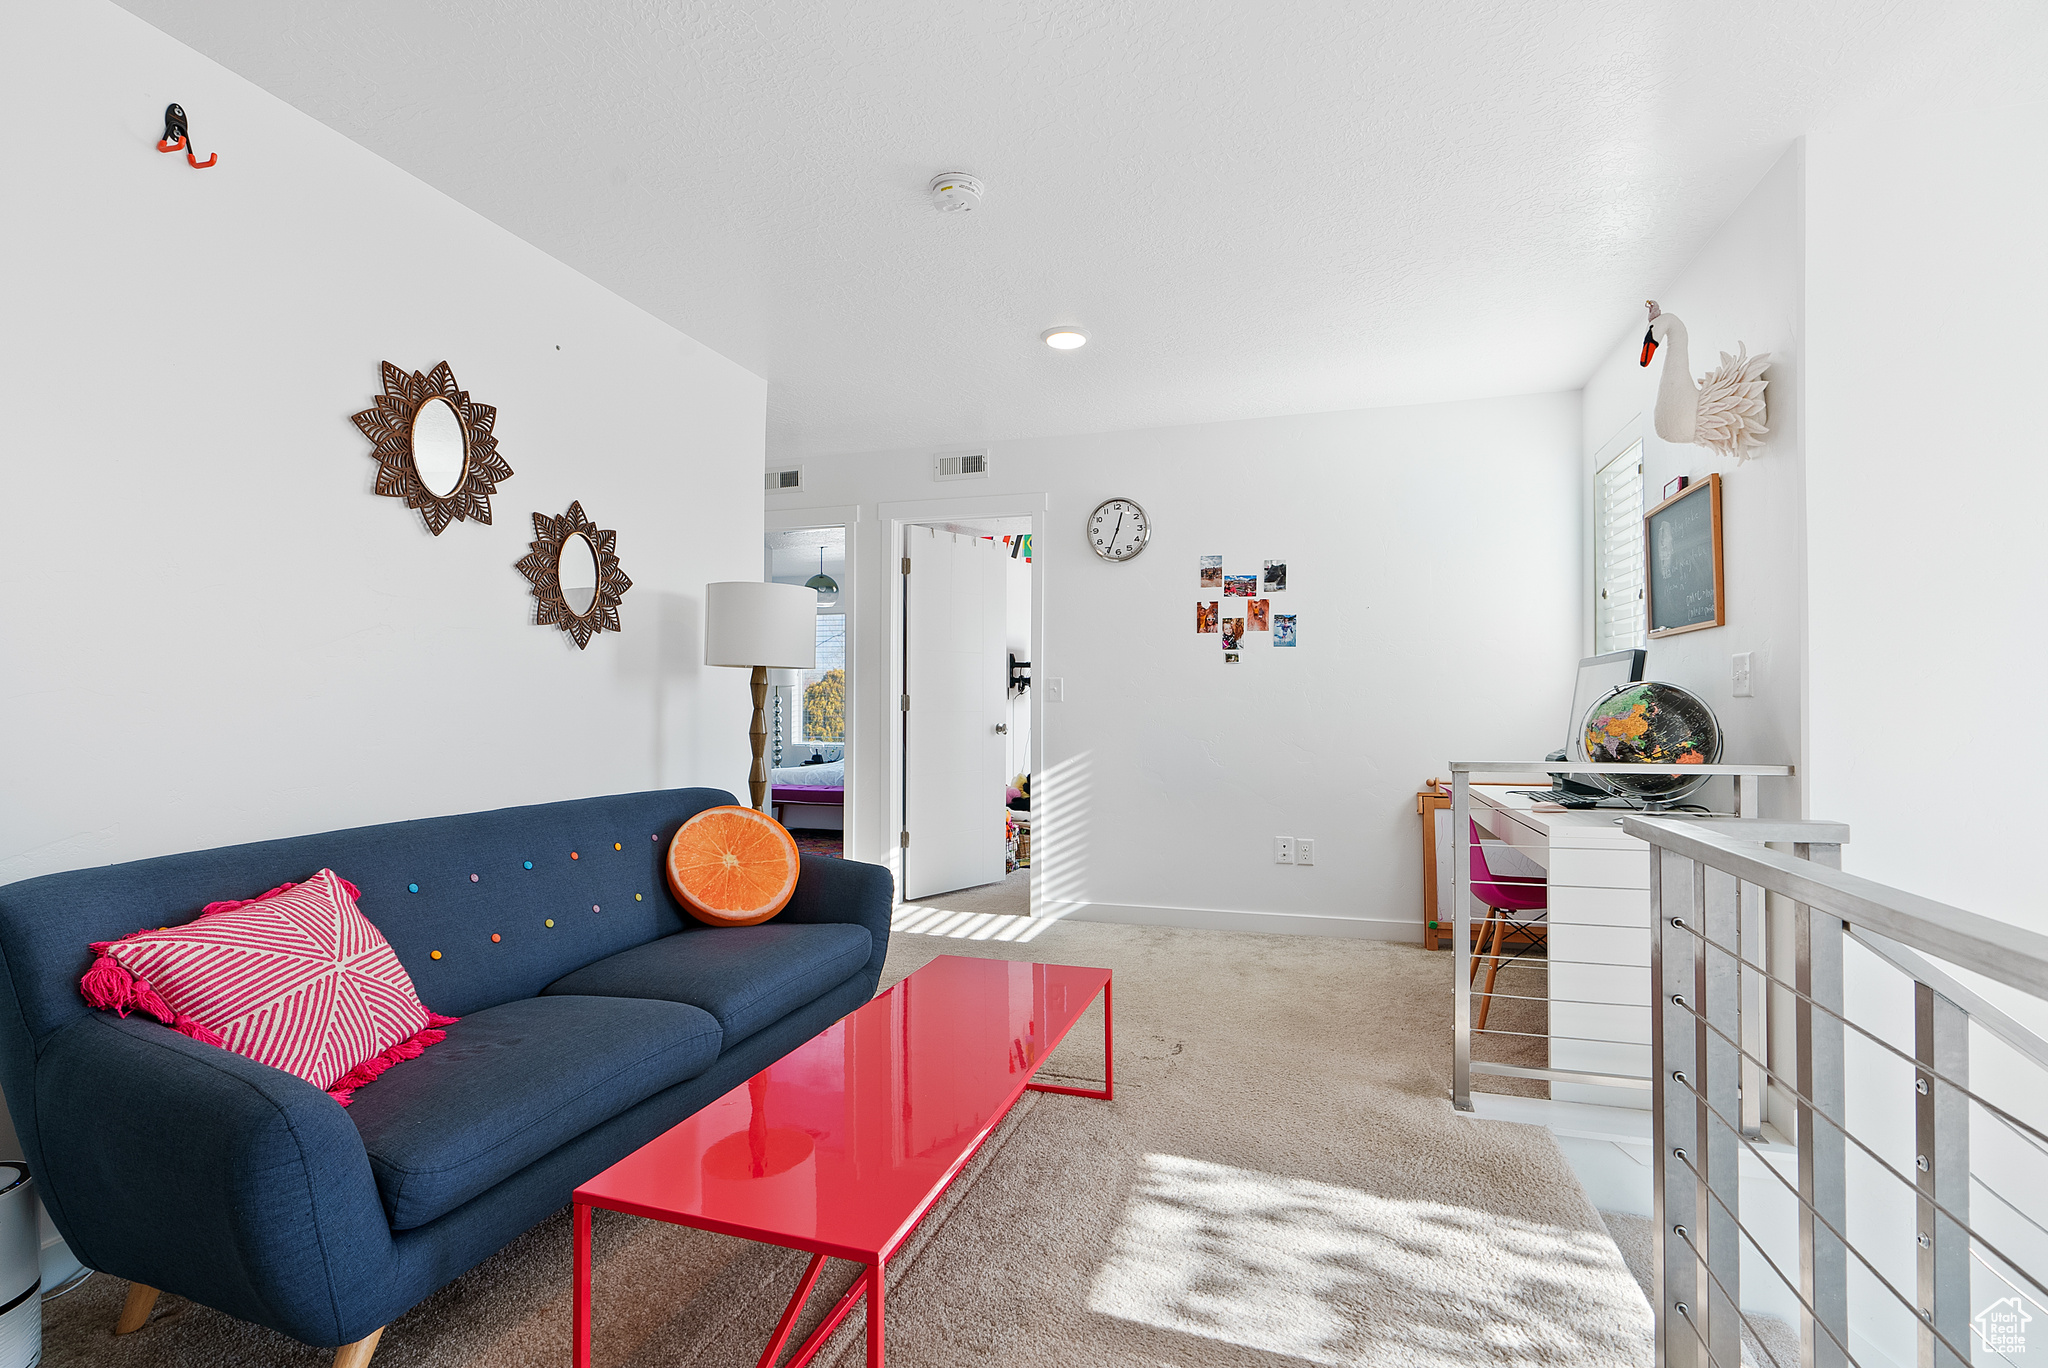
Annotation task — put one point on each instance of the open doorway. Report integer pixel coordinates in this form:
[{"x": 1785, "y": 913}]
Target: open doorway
[
  {"x": 965, "y": 807},
  {"x": 808, "y": 736}
]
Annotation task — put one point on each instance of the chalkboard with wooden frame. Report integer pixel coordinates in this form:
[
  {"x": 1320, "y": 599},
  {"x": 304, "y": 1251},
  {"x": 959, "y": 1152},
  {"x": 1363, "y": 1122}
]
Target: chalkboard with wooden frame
[{"x": 1682, "y": 561}]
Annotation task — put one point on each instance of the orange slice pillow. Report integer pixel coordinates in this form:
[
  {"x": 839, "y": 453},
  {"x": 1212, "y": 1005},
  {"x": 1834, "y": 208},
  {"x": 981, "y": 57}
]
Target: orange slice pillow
[{"x": 733, "y": 866}]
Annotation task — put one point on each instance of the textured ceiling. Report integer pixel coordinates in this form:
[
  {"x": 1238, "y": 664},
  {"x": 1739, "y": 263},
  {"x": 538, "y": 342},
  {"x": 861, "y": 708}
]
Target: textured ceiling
[
  {"x": 1253, "y": 209},
  {"x": 794, "y": 554}
]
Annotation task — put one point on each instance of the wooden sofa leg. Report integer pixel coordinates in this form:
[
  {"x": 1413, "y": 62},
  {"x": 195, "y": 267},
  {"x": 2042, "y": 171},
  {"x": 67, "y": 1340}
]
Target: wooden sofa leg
[
  {"x": 357, "y": 1355},
  {"x": 135, "y": 1311}
]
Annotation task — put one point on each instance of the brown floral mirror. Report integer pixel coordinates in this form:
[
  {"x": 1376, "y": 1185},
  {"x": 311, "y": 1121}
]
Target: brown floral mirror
[
  {"x": 433, "y": 446},
  {"x": 575, "y": 574}
]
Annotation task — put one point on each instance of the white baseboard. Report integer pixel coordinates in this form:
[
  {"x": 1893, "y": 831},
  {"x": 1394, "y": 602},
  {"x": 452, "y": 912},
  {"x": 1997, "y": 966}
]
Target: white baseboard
[{"x": 1219, "y": 919}]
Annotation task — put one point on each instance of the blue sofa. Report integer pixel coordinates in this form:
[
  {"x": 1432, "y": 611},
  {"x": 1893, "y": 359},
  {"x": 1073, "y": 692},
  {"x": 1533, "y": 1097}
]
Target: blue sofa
[{"x": 188, "y": 1168}]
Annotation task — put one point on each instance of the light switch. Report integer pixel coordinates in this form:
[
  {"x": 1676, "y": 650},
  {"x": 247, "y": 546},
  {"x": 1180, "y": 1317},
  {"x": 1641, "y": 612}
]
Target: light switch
[
  {"x": 1059, "y": 690},
  {"x": 1742, "y": 674}
]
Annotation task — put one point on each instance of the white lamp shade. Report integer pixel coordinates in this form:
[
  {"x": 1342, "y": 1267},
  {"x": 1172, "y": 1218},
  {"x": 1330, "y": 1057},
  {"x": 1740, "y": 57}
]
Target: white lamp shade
[
  {"x": 786, "y": 679},
  {"x": 748, "y": 623}
]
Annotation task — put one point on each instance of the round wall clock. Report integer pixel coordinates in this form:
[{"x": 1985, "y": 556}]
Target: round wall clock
[{"x": 1118, "y": 529}]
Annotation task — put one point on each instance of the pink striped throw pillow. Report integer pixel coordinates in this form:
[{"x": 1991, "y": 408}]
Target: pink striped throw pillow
[{"x": 297, "y": 978}]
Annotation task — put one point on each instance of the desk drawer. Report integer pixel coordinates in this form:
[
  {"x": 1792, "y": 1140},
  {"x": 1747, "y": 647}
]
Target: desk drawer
[{"x": 1602, "y": 866}]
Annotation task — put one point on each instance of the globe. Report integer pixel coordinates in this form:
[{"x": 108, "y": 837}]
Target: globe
[{"x": 1651, "y": 724}]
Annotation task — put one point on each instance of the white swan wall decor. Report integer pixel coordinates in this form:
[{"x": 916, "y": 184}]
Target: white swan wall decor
[{"x": 1725, "y": 414}]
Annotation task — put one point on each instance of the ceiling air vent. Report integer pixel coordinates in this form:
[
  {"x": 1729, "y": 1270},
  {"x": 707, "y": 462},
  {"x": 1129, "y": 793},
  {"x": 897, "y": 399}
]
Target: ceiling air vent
[
  {"x": 782, "y": 481},
  {"x": 961, "y": 465}
]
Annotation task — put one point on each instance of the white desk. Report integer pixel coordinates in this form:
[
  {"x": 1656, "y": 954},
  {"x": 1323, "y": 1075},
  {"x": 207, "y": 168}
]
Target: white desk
[
  {"x": 1598, "y": 948},
  {"x": 1598, "y": 945},
  {"x": 1598, "y": 942}
]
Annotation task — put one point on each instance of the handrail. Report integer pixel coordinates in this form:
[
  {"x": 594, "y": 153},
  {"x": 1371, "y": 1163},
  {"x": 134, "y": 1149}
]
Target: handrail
[
  {"x": 1574, "y": 767},
  {"x": 2000, "y": 951}
]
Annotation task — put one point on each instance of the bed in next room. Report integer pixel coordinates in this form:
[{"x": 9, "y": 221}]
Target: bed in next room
[{"x": 810, "y": 793}]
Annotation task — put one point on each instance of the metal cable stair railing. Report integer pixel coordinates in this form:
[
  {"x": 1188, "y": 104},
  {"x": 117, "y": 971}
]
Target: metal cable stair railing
[{"x": 1906, "y": 1093}]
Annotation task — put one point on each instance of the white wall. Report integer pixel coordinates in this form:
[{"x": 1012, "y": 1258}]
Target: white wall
[
  {"x": 1891, "y": 263},
  {"x": 1747, "y": 285},
  {"x": 1927, "y": 482},
  {"x": 1433, "y": 557},
  {"x": 214, "y": 631}
]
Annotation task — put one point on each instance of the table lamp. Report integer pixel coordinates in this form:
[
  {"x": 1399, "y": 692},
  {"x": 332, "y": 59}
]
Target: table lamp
[{"x": 762, "y": 627}]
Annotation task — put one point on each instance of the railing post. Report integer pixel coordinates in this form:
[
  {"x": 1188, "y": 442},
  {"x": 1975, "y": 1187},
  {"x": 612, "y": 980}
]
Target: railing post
[
  {"x": 1717, "y": 981},
  {"x": 1941, "y": 1038},
  {"x": 1824, "y": 853},
  {"x": 1461, "y": 936},
  {"x": 1823, "y": 1262},
  {"x": 1673, "y": 1110},
  {"x": 1753, "y": 945}
]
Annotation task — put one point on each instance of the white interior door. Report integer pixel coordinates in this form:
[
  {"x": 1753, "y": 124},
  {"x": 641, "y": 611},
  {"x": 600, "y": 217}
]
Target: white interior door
[{"x": 955, "y": 676}]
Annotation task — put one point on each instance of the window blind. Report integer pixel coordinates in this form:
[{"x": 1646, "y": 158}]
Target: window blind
[{"x": 1618, "y": 608}]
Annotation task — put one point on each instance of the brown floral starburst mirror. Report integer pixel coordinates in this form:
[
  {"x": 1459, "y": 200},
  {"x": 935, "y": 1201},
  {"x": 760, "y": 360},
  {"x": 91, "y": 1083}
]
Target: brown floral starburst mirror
[
  {"x": 575, "y": 573},
  {"x": 433, "y": 446}
]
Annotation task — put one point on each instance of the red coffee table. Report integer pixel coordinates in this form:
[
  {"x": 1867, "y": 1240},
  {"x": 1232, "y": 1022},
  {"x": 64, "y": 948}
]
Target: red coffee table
[{"x": 841, "y": 1146}]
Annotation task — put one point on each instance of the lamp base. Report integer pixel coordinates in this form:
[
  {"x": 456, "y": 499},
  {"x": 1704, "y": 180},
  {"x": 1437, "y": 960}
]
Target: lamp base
[{"x": 757, "y": 778}]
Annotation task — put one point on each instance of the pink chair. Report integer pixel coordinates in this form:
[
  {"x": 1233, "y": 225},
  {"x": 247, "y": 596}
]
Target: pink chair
[{"x": 1503, "y": 895}]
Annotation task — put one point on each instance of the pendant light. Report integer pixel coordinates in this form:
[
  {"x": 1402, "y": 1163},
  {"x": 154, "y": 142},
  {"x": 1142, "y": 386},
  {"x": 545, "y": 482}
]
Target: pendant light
[{"x": 826, "y": 586}]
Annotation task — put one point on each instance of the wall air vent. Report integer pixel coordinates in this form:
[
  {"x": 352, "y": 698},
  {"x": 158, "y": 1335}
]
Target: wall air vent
[
  {"x": 961, "y": 465},
  {"x": 782, "y": 481}
]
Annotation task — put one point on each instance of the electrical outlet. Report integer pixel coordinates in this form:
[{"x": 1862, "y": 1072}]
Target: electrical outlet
[
  {"x": 1304, "y": 851},
  {"x": 1743, "y": 674},
  {"x": 1283, "y": 850}
]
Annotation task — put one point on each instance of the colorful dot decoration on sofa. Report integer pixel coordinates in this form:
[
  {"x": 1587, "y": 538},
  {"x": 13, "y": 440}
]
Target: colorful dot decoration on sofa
[
  {"x": 125, "y": 976},
  {"x": 733, "y": 866},
  {"x": 296, "y": 978}
]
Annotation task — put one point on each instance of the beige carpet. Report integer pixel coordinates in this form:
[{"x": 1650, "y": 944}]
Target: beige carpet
[
  {"x": 1518, "y": 1026},
  {"x": 1279, "y": 1182},
  {"x": 1006, "y": 897}
]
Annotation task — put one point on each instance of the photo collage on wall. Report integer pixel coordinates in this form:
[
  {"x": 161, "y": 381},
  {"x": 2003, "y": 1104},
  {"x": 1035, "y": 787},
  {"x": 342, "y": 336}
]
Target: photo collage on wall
[{"x": 1235, "y": 621}]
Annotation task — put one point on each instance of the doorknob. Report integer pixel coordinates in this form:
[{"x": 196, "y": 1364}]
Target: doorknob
[{"x": 1003, "y": 727}]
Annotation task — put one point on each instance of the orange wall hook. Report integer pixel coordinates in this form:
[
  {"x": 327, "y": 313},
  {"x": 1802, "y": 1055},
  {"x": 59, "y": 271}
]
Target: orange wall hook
[{"x": 178, "y": 138}]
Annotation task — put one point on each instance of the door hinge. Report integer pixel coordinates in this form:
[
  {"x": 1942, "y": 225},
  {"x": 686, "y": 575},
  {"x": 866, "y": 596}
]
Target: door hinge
[
  {"x": 906, "y": 703},
  {"x": 906, "y": 565},
  {"x": 904, "y": 841}
]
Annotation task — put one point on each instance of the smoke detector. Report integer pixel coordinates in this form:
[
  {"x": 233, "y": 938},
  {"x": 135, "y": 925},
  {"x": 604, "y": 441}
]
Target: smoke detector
[{"x": 954, "y": 191}]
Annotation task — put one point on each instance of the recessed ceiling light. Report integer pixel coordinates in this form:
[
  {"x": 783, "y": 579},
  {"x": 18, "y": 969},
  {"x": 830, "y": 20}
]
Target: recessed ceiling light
[{"x": 1064, "y": 338}]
